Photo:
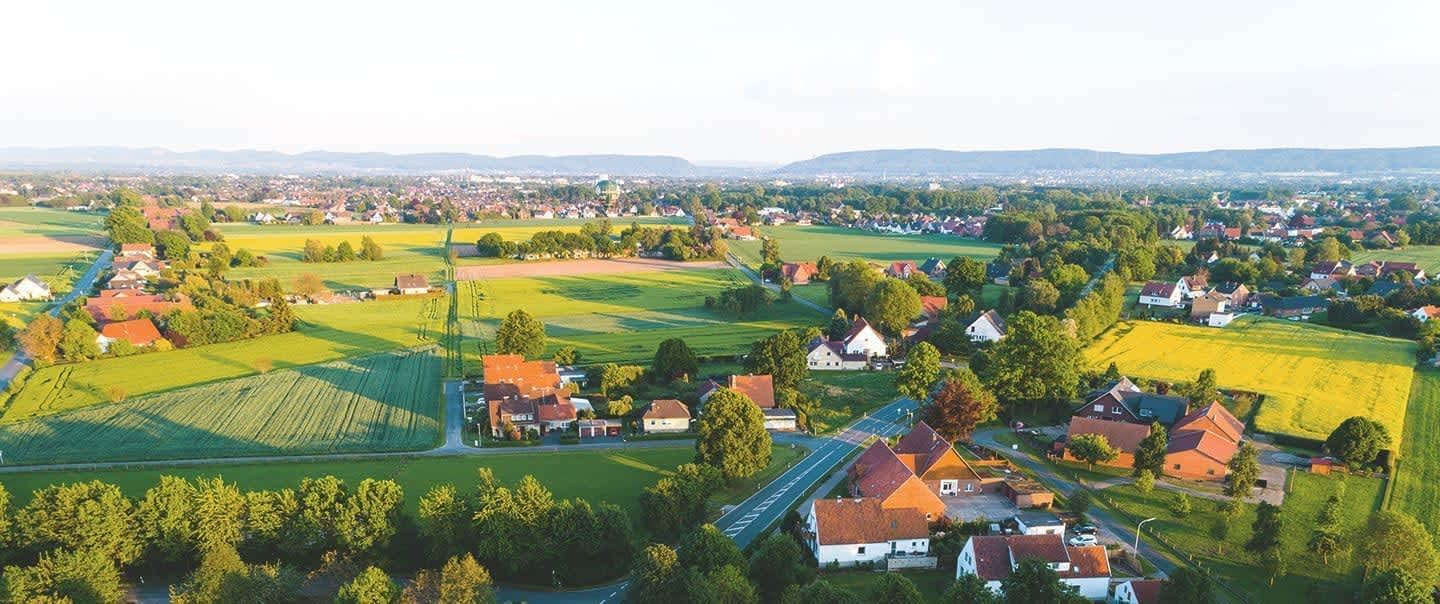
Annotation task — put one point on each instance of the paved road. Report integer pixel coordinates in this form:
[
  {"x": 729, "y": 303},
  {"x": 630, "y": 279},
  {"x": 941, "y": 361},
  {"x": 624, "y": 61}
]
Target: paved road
[
  {"x": 87, "y": 281},
  {"x": 735, "y": 262},
  {"x": 454, "y": 418}
]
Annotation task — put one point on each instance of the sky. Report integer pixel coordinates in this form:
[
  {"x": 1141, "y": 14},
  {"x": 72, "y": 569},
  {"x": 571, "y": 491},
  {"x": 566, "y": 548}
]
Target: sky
[{"x": 740, "y": 80}]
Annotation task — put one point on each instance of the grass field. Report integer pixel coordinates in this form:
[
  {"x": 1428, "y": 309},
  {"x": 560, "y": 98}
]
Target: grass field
[
  {"x": 408, "y": 249},
  {"x": 1417, "y": 479},
  {"x": 328, "y": 333},
  {"x": 1426, "y": 256},
  {"x": 931, "y": 583},
  {"x": 1308, "y": 580},
  {"x": 839, "y": 243},
  {"x": 43, "y": 222},
  {"x": 846, "y": 395},
  {"x": 1312, "y": 377},
  {"x": 384, "y": 402},
  {"x": 622, "y": 317}
]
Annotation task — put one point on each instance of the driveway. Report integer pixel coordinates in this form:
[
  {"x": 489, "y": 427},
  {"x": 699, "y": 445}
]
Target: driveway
[{"x": 990, "y": 506}]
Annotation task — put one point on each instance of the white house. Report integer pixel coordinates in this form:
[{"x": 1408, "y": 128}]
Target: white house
[
  {"x": 27, "y": 288},
  {"x": 780, "y": 419},
  {"x": 864, "y": 340},
  {"x": 412, "y": 284},
  {"x": 1219, "y": 319},
  {"x": 1166, "y": 295},
  {"x": 665, "y": 415},
  {"x": 1425, "y": 313},
  {"x": 1138, "y": 591},
  {"x": 827, "y": 355},
  {"x": 992, "y": 558},
  {"x": 988, "y": 327},
  {"x": 846, "y": 532},
  {"x": 1039, "y": 522}
]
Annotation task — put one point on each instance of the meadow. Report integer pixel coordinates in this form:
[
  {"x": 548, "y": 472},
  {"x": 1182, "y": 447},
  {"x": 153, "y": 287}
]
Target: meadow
[
  {"x": 1417, "y": 475},
  {"x": 44, "y": 222},
  {"x": 622, "y": 317},
  {"x": 384, "y": 402},
  {"x": 326, "y": 333},
  {"x": 809, "y": 243},
  {"x": 1312, "y": 377},
  {"x": 407, "y": 248},
  {"x": 1426, "y": 256}
]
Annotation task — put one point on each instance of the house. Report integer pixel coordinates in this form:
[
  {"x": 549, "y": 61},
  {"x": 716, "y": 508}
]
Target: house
[
  {"x": 987, "y": 327},
  {"x": 880, "y": 474},
  {"x": 846, "y": 532},
  {"x": 138, "y": 332},
  {"x": 1294, "y": 306},
  {"x": 935, "y": 461},
  {"x": 1039, "y": 522},
  {"x": 799, "y": 273},
  {"x": 137, "y": 250},
  {"x": 1122, "y": 400},
  {"x": 1194, "y": 286},
  {"x": 862, "y": 339},
  {"x": 1138, "y": 591},
  {"x": 1236, "y": 292},
  {"x": 780, "y": 419},
  {"x": 930, "y": 306},
  {"x": 125, "y": 280},
  {"x": 1321, "y": 285},
  {"x": 1425, "y": 313},
  {"x": 114, "y": 304},
  {"x": 998, "y": 272},
  {"x": 412, "y": 284},
  {"x": 992, "y": 558},
  {"x": 934, "y": 267},
  {"x": 1384, "y": 287},
  {"x": 1124, "y": 436},
  {"x": 1156, "y": 293},
  {"x": 759, "y": 388},
  {"x": 1339, "y": 269},
  {"x": 524, "y": 395},
  {"x": 1202, "y": 443},
  {"x": 27, "y": 288},
  {"x": 901, "y": 269},
  {"x": 665, "y": 415},
  {"x": 827, "y": 355},
  {"x": 141, "y": 266},
  {"x": 1210, "y": 302}
]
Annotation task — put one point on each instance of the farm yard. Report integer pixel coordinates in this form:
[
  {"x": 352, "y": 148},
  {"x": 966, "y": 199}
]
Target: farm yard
[
  {"x": 809, "y": 243},
  {"x": 383, "y": 402},
  {"x": 327, "y": 333},
  {"x": 622, "y": 317},
  {"x": 1417, "y": 475},
  {"x": 1312, "y": 377}
]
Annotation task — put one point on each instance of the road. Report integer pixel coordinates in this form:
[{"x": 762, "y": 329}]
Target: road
[
  {"x": 740, "y": 266},
  {"x": 87, "y": 281}
]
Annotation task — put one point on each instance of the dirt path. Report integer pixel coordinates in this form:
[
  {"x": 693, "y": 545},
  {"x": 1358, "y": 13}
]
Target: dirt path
[{"x": 563, "y": 268}]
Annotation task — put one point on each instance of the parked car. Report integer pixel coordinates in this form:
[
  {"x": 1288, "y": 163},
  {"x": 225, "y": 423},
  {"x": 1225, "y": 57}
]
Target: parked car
[
  {"x": 1086, "y": 529},
  {"x": 1081, "y": 540}
]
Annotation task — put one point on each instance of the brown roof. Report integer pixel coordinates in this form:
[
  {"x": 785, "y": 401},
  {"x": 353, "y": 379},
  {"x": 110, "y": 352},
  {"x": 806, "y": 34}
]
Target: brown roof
[
  {"x": 99, "y": 307},
  {"x": 136, "y": 331},
  {"x": 992, "y": 557},
  {"x": 411, "y": 281},
  {"x": 845, "y": 521},
  {"x": 1147, "y": 591},
  {"x": 993, "y": 554},
  {"x": 1086, "y": 562},
  {"x": 855, "y": 328},
  {"x": 798, "y": 271},
  {"x": 878, "y": 472},
  {"x": 931, "y": 306},
  {"x": 1212, "y": 418},
  {"x": 1124, "y": 436},
  {"x": 666, "y": 408},
  {"x": 1206, "y": 443},
  {"x": 1158, "y": 289},
  {"x": 760, "y": 388}
]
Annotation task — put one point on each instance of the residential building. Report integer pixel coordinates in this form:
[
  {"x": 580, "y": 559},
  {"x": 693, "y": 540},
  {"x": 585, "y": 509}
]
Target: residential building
[
  {"x": 934, "y": 267},
  {"x": 138, "y": 332},
  {"x": 1295, "y": 306},
  {"x": 862, "y": 339},
  {"x": 27, "y": 288},
  {"x": 524, "y": 395},
  {"x": 846, "y": 532},
  {"x": 412, "y": 284},
  {"x": 830, "y": 355},
  {"x": 1210, "y": 302},
  {"x": 759, "y": 388},
  {"x": 934, "y": 459},
  {"x": 993, "y": 558},
  {"x": 799, "y": 273},
  {"x": 1122, "y": 400},
  {"x": 930, "y": 307},
  {"x": 119, "y": 304},
  {"x": 1425, "y": 313},
  {"x": 1201, "y": 443},
  {"x": 987, "y": 327},
  {"x": 665, "y": 415},
  {"x": 1238, "y": 294},
  {"x": 1138, "y": 591},
  {"x": 136, "y": 250},
  {"x": 901, "y": 269},
  {"x": 1156, "y": 293}
]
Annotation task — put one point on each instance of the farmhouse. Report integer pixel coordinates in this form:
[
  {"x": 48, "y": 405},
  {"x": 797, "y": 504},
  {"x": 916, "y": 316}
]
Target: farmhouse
[
  {"x": 411, "y": 284},
  {"x": 862, "y": 339},
  {"x": 1122, "y": 400},
  {"x": 1200, "y": 444},
  {"x": 27, "y": 288},
  {"x": 846, "y": 532},
  {"x": 1156, "y": 293},
  {"x": 136, "y": 250},
  {"x": 524, "y": 395},
  {"x": 799, "y": 273},
  {"x": 759, "y": 388},
  {"x": 826, "y": 355},
  {"x": 921, "y": 469},
  {"x": 992, "y": 558},
  {"x": 114, "y": 304},
  {"x": 138, "y": 332},
  {"x": 987, "y": 327},
  {"x": 665, "y": 415},
  {"x": 901, "y": 269}
]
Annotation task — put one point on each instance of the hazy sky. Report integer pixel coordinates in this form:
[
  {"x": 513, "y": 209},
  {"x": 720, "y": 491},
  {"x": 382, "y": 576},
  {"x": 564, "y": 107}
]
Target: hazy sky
[{"x": 736, "y": 80}]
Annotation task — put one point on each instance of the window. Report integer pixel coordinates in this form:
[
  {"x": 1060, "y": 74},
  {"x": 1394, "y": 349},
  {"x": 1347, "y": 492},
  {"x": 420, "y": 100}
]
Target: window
[
  {"x": 860, "y": 550},
  {"x": 1115, "y": 410},
  {"x": 1210, "y": 471},
  {"x": 1100, "y": 408},
  {"x": 969, "y": 487},
  {"x": 1176, "y": 466}
]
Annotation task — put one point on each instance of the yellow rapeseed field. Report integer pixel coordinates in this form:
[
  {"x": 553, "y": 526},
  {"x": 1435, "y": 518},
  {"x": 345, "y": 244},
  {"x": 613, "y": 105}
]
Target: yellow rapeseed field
[{"x": 1312, "y": 377}]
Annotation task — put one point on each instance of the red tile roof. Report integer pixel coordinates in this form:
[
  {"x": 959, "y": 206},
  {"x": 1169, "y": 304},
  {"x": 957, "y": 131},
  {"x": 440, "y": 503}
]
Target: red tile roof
[
  {"x": 760, "y": 388},
  {"x": 878, "y": 472},
  {"x": 140, "y": 332},
  {"x": 1157, "y": 289},
  {"x": 1124, "y": 436},
  {"x": 846, "y": 521},
  {"x": 1087, "y": 562},
  {"x": 1147, "y": 591},
  {"x": 931, "y": 306},
  {"x": 666, "y": 408},
  {"x": 1212, "y": 418}
]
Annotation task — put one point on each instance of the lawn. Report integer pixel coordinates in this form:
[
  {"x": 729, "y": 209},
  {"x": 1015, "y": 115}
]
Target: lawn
[
  {"x": 622, "y": 317},
  {"x": 327, "y": 333},
  {"x": 846, "y": 395},
  {"x": 384, "y": 402},
  {"x": 1417, "y": 478},
  {"x": 43, "y": 222},
  {"x": 1426, "y": 256},
  {"x": 1313, "y": 377},
  {"x": 1308, "y": 580},
  {"x": 931, "y": 583},
  {"x": 840, "y": 243}
]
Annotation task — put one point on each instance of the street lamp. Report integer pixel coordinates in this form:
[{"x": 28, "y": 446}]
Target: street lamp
[{"x": 1137, "y": 536}]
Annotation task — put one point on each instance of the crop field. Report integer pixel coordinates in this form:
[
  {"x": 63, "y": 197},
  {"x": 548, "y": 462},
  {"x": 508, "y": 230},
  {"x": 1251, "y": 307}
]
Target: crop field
[
  {"x": 328, "y": 332},
  {"x": 1312, "y": 377},
  {"x": 408, "y": 249},
  {"x": 622, "y": 317},
  {"x": 1426, "y": 256},
  {"x": 1417, "y": 478},
  {"x": 811, "y": 242},
  {"x": 384, "y": 402}
]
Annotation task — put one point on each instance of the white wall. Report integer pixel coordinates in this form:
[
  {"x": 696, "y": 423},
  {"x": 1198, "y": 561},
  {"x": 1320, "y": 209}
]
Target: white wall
[{"x": 673, "y": 424}]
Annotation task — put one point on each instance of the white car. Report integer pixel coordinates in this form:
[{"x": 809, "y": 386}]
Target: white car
[{"x": 1082, "y": 540}]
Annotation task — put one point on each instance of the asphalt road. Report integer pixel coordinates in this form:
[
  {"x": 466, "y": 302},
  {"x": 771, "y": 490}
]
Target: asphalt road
[{"x": 87, "y": 281}]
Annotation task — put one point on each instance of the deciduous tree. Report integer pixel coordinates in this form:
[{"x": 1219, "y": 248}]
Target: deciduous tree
[
  {"x": 891, "y": 306},
  {"x": 1033, "y": 580},
  {"x": 372, "y": 586},
  {"x": 782, "y": 357},
  {"x": 1265, "y": 531},
  {"x": 1357, "y": 441},
  {"x": 964, "y": 276},
  {"x": 731, "y": 435},
  {"x": 921, "y": 371},
  {"x": 1396, "y": 586},
  {"x": 1244, "y": 469},
  {"x": 961, "y": 404},
  {"x": 1035, "y": 362},
  {"x": 1187, "y": 586},
  {"x": 1394, "y": 540},
  {"x": 1150, "y": 454},
  {"x": 520, "y": 334},
  {"x": 1091, "y": 449},
  {"x": 674, "y": 359}
]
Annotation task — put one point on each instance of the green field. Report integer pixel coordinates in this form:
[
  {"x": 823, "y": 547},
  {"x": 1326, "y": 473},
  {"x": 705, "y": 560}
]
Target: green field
[
  {"x": 811, "y": 242},
  {"x": 1312, "y": 377},
  {"x": 622, "y": 317},
  {"x": 42, "y": 222},
  {"x": 1425, "y": 256},
  {"x": 408, "y": 249},
  {"x": 385, "y": 402},
  {"x": 1308, "y": 579},
  {"x": 329, "y": 332},
  {"x": 1417, "y": 478}
]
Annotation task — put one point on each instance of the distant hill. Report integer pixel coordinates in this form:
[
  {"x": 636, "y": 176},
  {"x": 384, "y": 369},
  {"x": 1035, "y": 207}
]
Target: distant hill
[
  {"x": 269, "y": 162},
  {"x": 938, "y": 162}
]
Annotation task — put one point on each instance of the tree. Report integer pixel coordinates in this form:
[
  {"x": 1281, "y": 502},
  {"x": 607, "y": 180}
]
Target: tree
[
  {"x": 657, "y": 577},
  {"x": 173, "y": 245},
  {"x": 1036, "y": 361},
  {"x": 777, "y": 564},
  {"x": 706, "y": 549},
  {"x": 964, "y": 276},
  {"x": 64, "y": 576},
  {"x": 1182, "y": 506},
  {"x": 1033, "y": 580},
  {"x": 851, "y": 283},
  {"x": 369, "y": 250},
  {"x": 41, "y": 338},
  {"x": 770, "y": 251},
  {"x": 166, "y": 520},
  {"x": 961, "y": 404},
  {"x": 1325, "y": 542},
  {"x": 520, "y": 334},
  {"x": 1394, "y": 540},
  {"x": 1078, "y": 502},
  {"x": 372, "y": 586},
  {"x": 968, "y": 589},
  {"x": 1358, "y": 441},
  {"x": 1204, "y": 389},
  {"x": 8, "y": 336},
  {"x": 1274, "y": 562},
  {"x": 839, "y": 325},
  {"x": 782, "y": 357},
  {"x": 370, "y": 516},
  {"x": 891, "y": 306},
  {"x": 444, "y": 520},
  {"x": 90, "y": 516},
  {"x": 345, "y": 252},
  {"x": 1092, "y": 449},
  {"x": 205, "y": 584},
  {"x": 1219, "y": 530},
  {"x": 1145, "y": 481},
  {"x": 1396, "y": 586},
  {"x": 1265, "y": 531},
  {"x": 1039, "y": 296},
  {"x": 566, "y": 355},
  {"x": 731, "y": 436},
  {"x": 127, "y": 225},
  {"x": 921, "y": 371},
  {"x": 1244, "y": 471},
  {"x": 677, "y": 503},
  {"x": 1150, "y": 454},
  {"x": 729, "y": 585},
  {"x": 822, "y": 592},
  {"x": 894, "y": 588},
  {"x": 309, "y": 285},
  {"x": 465, "y": 581},
  {"x": 924, "y": 286},
  {"x": 77, "y": 343},
  {"x": 674, "y": 359},
  {"x": 1187, "y": 586},
  {"x": 620, "y": 407}
]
